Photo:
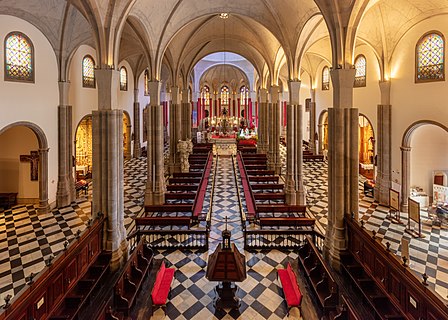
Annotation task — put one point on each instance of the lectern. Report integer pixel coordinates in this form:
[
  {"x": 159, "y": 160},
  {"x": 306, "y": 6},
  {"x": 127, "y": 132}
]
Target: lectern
[{"x": 226, "y": 265}]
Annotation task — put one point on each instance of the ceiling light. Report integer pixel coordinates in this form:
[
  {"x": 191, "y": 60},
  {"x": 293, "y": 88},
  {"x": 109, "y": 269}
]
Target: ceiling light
[{"x": 224, "y": 15}]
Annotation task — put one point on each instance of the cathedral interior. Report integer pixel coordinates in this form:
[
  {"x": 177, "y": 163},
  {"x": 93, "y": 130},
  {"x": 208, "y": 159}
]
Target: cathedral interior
[{"x": 223, "y": 159}]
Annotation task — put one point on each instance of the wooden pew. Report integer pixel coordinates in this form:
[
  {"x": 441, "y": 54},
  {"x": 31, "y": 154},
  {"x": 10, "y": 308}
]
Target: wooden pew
[
  {"x": 319, "y": 275},
  {"x": 181, "y": 187},
  {"x": 187, "y": 174},
  {"x": 264, "y": 179},
  {"x": 267, "y": 186},
  {"x": 255, "y": 162},
  {"x": 296, "y": 222},
  {"x": 254, "y": 156},
  {"x": 313, "y": 157},
  {"x": 163, "y": 221},
  {"x": 134, "y": 273},
  {"x": 180, "y": 196},
  {"x": 270, "y": 196},
  {"x": 256, "y": 167},
  {"x": 250, "y": 201},
  {"x": 251, "y": 172},
  {"x": 195, "y": 181},
  {"x": 281, "y": 208},
  {"x": 169, "y": 208}
]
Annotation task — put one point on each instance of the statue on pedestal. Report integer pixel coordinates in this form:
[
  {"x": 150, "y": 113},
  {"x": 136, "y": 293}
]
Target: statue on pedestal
[{"x": 185, "y": 148}]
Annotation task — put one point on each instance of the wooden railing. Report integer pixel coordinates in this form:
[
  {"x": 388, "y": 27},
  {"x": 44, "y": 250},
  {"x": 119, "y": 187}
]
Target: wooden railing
[
  {"x": 284, "y": 239},
  {"x": 408, "y": 291},
  {"x": 172, "y": 239},
  {"x": 44, "y": 292}
]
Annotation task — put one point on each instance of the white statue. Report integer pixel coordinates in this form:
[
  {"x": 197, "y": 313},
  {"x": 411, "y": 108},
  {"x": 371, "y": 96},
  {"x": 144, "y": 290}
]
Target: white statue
[{"x": 185, "y": 148}]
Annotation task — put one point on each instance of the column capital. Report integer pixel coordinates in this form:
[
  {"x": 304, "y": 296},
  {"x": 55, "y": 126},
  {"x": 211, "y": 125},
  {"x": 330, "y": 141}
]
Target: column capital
[
  {"x": 154, "y": 92},
  {"x": 294, "y": 92},
  {"x": 108, "y": 81},
  {"x": 64, "y": 87},
  {"x": 343, "y": 81},
  {"x": 385, "y": 91}
]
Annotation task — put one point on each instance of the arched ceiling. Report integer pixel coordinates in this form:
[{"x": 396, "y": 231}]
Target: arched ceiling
[{"x": 230, "y": 75}]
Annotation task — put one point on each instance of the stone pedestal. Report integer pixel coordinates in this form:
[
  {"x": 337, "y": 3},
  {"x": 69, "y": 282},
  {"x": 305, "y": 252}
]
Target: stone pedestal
[{"x": 226, "y": 296}]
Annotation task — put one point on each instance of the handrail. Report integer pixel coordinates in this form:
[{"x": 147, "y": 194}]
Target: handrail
[
  {"x": 212, "y": 192},
  {"x": 242, "y": 213}
]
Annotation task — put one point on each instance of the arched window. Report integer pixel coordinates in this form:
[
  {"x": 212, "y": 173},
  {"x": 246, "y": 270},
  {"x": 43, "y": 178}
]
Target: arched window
[
  {"x": 360, "y": 75},
  {"x": 225, "y": 95},
  {"x": 205, "y": 94},
  {"x": 88, "y": 72},
  {"x": 430, "y": 58},
  {"x": 325, "y": 78},
  {"x": 123, "y": 79},
  {"x": 19, "y": 58},
  {"x": 244, "y": 95},
  {"x": 146, "y": 82}
]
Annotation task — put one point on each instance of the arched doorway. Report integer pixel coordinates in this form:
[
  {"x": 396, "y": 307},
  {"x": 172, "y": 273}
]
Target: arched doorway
[
  {"x": 366, "y": 147},
  {"x": 126, "y": 136},
  {"x": 83, "y": 148},
  {"x": 24, "y": 165},
  {"x": 422, "y": 154},
  {"x": 323, "y": 132}
]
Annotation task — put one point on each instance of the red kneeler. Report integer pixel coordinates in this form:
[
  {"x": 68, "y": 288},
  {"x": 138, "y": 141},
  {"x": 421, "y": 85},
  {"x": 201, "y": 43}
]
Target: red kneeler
[
  {"x": 291, "y": 289},
  {"x": 162, "y": 286}
]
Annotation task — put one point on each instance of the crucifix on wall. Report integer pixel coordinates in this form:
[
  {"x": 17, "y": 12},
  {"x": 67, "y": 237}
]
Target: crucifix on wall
[{"x": 33, "y": 159}]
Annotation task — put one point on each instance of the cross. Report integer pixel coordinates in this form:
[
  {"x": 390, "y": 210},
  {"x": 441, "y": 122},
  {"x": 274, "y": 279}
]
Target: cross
[{"x": 33, "y": 159}]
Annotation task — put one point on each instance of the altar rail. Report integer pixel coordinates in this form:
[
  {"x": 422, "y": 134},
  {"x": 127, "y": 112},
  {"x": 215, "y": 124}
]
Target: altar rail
[
  {"x": 405, "y": 289},
  {"x": 284, "y": 239},
  {"x": 45, "y": 291},
  {"x": 172, "y": 239}
]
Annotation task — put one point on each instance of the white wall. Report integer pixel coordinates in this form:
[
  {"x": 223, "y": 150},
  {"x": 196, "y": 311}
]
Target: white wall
[
  {"x": 410, "y": 101},
  {"x": 305, "y": 93},
  {"x": 144, "y": 101},
  {"x": 33, "y": 102},
  {"x": 429, "y": 152},
  {"x": 15, "y": 174},
  {"x": 126, "y": 98},
  {"x": 324, "y": 98},
  {"x": 83, "y": 100}
]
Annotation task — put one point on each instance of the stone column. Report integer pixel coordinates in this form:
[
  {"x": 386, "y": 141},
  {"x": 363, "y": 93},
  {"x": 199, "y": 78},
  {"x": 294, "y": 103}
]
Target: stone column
[
  {"x": 186, "y": 115},
  {"x": 43, "y": 181},
  {"x": 155, "y": 185},
  {"x": 405, "y": 176},
  {"x": 320, "y": 129},
  {"x": 342, "y": 162},
  {"x": 383, "y": 146},
  {"x": 274, "y": 130},
  {"x": 290, "y": 183},
  {"x": 175, "y": 129},
  {"x": 137, "y": 143},
  {"x": 313, "y": 121},
  {"x": 65, "y": 160},
  {"x": 298, "y": 147},
  {"x": 108, "y": 164},
  {"x": 263, "y": 137}
]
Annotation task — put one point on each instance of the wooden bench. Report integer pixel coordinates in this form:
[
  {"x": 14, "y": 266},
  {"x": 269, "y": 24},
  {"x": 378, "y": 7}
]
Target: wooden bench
[
  {"x": 382, "y": 307},
  {"x": 248, "y": 195},
  {"x": 291, "y": 290},
  {"x": 273, "y": 179},
  {"x": 313, "y": 157},
  {"x": 81, "y": 185},
  {"x": 162, "y": 286},
  {"x": 270, "y": 196},
  {"x": 163, "y": 221},
  {"x": 169, "y": 208},
  {"x": 267, "y": 186},
  {"x": 282, "y": 208},
  {"x": 252, "y": 167},
  {"x": 79, "y": 294},
  {"x": 181, "y": 187},
  {"x": 295, "y": 222},
  {"x": 260, "y": 172},
  {"x": 319, "y": 276},
  {"x": 180, "y": 196},
  {"x": 8, "y": 199},
  {"x": 195, "y": 181},
  {"x": 250, "y": 162},
  {"x": 134, "y": 272},
  {"x": 346, "y": 311},
  {"x": 187, "y": 174}
]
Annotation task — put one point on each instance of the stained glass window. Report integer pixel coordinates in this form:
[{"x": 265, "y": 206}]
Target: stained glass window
[
  {"x": 146, "y": 83},
  {"x": 430, "y": 58},
  {"x": 123, "y": 79},
  {"x": 205, "y": 94},
  {"x": 88, "y": 72},
  {"x": 225, "y": 95},
  {"x": 360, "y": 75},
  {"x": 19, "y": 58},
  {"x": 325, "y": 78},
  {"x": 244, "y": 95}
]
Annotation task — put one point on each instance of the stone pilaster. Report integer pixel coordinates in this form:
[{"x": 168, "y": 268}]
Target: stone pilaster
[
  {"x": 298, "y": 147},
  {"x": 313, "y": 122},
  {"x": 65, "y": 161},
  {"x": 274, "y": 161},
  {"x": 43, "y": 181},
  {"x": 263, "y": 135},
  {"x": 155, "y": 185},
  {"x": 137, "y": 114},
  {"x": 186, "y": 115},
  {"x": 405, "y": 176},
  {"x": 342, "y": 162},
  {"x": 108, "y": 164},
  {"x": 175, "y": 120}
]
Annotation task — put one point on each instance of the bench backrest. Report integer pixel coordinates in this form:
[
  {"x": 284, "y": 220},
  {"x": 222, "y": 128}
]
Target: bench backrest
[{"x": 293, "y": 278}]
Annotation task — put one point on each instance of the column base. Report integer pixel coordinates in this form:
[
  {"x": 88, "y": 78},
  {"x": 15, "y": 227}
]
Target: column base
[
  {"x": 152, "y": 198},
  {"x": 338, "y": 247},
  {"x": 43, "y": 208},
  {"x": 63, "y": 195},
  {"x": 300, "y": 197},
  {"x": 290, "y": 198},
  {"x": 119, "y": 256}
]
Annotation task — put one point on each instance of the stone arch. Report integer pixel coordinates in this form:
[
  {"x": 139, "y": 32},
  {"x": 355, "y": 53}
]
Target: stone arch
[
  {"x": 406, "y": 158},
  {"x": 373, "y": 131},
  {"x": 320, "y": 125},
  {"x": 127, "y": 135},
  {"x": 43, "y": 160},
  {"x": 87, "y": 162}
]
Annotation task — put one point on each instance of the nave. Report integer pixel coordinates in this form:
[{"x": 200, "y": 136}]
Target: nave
[{"x": 29, "y": 239}]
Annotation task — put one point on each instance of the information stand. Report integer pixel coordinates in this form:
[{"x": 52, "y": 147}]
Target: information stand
[
  {"x": 394, "y": 204},
  {"x": 414, "y": 215}
]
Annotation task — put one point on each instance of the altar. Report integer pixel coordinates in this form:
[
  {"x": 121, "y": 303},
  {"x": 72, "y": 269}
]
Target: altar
[{"x": 224, "y": 144}]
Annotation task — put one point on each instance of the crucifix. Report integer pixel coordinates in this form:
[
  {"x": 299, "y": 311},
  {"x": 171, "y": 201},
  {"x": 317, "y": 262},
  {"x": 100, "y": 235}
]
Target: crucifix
[{"x": 33, "y": 159}]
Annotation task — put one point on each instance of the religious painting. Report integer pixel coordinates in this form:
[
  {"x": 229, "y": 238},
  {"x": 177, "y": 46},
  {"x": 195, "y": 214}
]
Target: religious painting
[{"x": 33, "y": 159}]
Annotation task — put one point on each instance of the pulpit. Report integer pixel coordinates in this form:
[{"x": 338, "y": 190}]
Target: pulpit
[{"x": 226, "y": 265}]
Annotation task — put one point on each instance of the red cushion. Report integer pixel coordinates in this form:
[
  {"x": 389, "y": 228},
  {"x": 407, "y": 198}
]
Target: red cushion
[
  {"x": 291, "y": 290},
  {"x": 162, "y": 285}
]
